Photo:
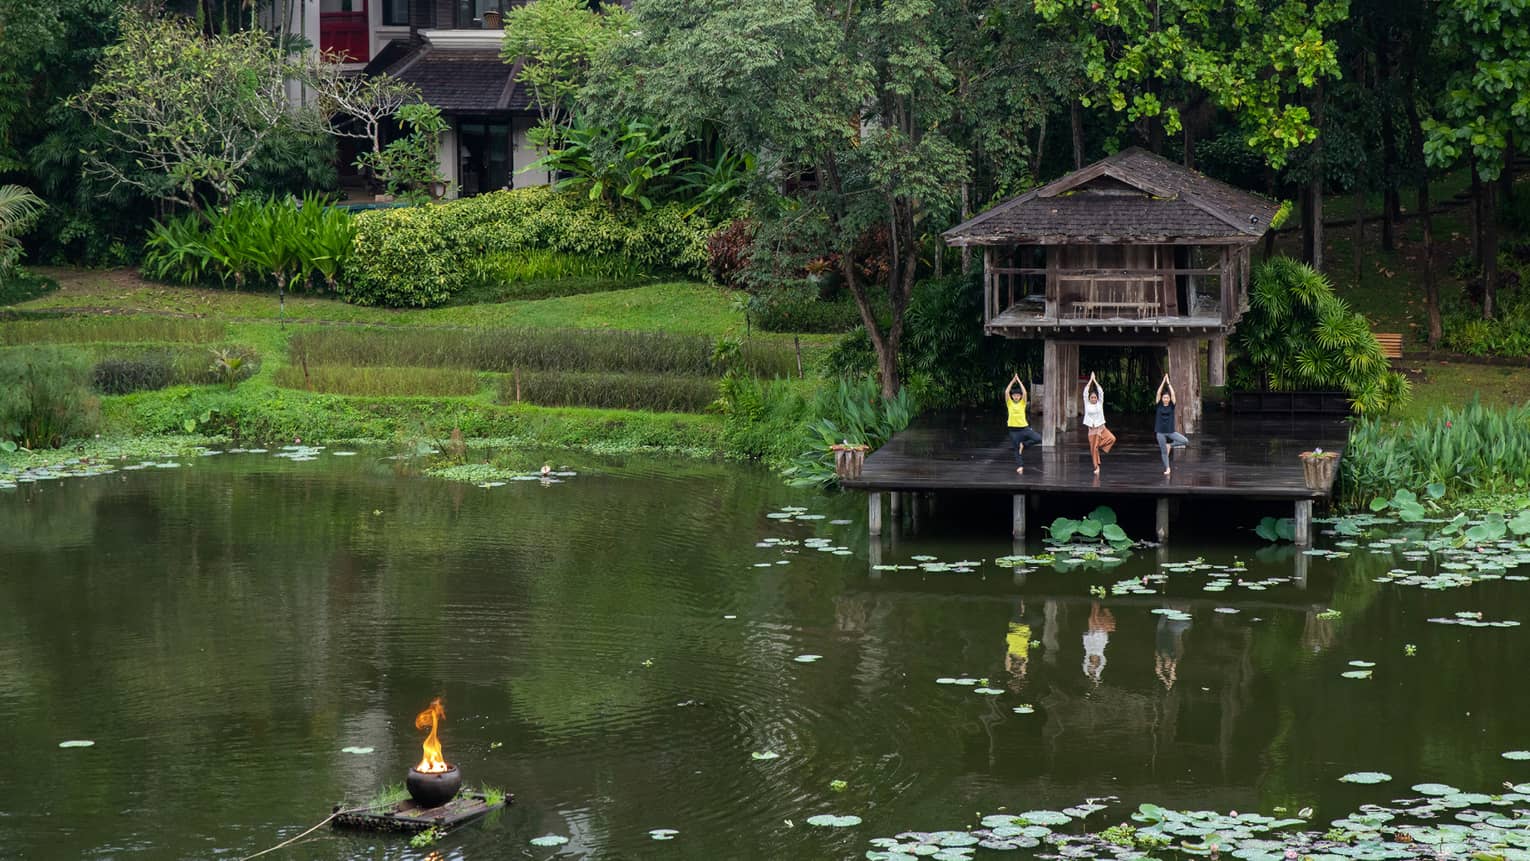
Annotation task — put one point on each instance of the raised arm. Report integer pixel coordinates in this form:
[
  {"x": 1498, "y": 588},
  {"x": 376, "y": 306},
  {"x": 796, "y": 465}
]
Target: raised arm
[
  {"x": 1164, "y": 382},
  {"x": 1098, "y": 389},
  {"x": 1013, "y": 381},
  {"x": 1172, "y": 398}
]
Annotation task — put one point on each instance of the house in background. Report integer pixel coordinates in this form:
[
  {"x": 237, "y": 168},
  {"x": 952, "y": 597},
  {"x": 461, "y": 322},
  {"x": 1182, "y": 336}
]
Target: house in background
[{"x": 449, "y": 49}]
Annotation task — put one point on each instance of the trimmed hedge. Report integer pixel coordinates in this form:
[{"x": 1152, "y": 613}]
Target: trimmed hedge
[{"x": 421, "y": 256}]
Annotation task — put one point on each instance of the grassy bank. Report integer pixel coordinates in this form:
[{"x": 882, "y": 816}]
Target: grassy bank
[{"x": 621, "y": 370}]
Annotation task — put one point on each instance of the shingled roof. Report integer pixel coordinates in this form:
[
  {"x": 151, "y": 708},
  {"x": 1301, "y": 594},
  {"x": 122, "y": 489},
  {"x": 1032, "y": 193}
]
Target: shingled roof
[
  {"x": 1132, "y": 196},
  {"x": 459, "y": 81}
]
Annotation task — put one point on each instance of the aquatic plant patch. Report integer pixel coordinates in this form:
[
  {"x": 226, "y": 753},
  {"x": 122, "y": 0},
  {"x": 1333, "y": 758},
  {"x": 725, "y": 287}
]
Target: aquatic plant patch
[
  {"x": 112, "y": 329},
  {"x": 1444, "y": 823}
]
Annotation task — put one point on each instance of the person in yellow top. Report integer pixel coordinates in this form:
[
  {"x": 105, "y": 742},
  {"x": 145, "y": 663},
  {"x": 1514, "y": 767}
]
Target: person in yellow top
[{"x": 1020, "y": 433}]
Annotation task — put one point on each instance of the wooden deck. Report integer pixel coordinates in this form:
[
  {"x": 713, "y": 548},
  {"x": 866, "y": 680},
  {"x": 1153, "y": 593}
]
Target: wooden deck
[{"x": 1232, "y": 456}]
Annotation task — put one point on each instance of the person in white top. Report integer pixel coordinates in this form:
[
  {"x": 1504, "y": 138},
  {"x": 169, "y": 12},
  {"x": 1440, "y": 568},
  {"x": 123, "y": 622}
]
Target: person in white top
[{"x": 1100, "y": 437}]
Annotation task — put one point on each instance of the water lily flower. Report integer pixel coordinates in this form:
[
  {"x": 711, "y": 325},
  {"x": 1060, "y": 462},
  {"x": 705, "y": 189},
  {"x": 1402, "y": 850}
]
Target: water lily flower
[{"x": 1290, "y": 854}]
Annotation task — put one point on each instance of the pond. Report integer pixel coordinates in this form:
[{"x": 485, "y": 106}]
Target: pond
[{"x": 629, "y": 649}]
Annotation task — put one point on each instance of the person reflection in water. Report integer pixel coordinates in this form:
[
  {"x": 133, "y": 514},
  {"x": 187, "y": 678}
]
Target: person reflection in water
[
  {"x": 1101, "y": 625},
  {"x": 1169, "y": 646},
  {"x": 1017, "y": 649}
]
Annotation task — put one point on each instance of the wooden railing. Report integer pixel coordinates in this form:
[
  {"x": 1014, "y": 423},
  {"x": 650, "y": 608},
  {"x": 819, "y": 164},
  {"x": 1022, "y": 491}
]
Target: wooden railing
[{"x": 1081, "y": 293}]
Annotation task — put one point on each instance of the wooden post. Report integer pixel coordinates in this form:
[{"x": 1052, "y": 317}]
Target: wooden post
[
  {"x": 1051, "y": 392},
  {"x": 1303, "y": 523},
  {"x": 1216, "y": 361},
  {"x": 1185, "y": 375},
  {"x": 874, "y": 512},
  {"x": 1017, "y": 517},
  {"x": 1072, "y": 394},
  {"x": 895, "y": 505},
  {"x": 1163, "y": 519},
  {"x": 990, "y": 290}
]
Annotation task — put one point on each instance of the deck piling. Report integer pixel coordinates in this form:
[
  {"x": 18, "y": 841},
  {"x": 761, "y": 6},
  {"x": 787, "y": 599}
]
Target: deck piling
[
  {"x": 874, "y": 512},
  {"x": 1303, "y": 523},
  {"x": 1017, "y": 517},
  {"x": 1162, "y": 530}
]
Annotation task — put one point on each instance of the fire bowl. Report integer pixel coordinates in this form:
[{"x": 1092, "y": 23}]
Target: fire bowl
[{"x": 433, "y": 789}]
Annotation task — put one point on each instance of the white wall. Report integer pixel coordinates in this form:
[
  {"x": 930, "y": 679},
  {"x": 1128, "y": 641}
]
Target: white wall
[{"x": 523, "y": 154}]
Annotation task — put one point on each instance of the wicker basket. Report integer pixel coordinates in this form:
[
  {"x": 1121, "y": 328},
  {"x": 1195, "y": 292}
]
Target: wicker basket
[
  {"x": 848, "y": 460},
  {"x": 1318, "y": 469}
]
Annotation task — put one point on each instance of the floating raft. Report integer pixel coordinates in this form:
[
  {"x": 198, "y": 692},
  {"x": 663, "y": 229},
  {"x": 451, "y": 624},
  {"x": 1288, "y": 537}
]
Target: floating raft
[{"x": 408, "y": 817}]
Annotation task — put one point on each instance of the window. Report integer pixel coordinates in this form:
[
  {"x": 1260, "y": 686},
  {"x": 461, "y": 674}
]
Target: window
[
  {"x": 395, "y": 13},
  {"x": 483, "y": 156},
  {"x": 470, "y": 12}
]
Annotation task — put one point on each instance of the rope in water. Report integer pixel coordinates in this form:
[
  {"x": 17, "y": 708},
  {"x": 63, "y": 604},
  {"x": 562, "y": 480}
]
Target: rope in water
[
  {"x": 285, "y": 843},
  {"x": 321, "y": 824}
]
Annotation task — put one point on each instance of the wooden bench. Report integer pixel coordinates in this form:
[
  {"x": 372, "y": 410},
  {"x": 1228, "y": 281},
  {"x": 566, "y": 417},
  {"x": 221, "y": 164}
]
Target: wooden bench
[{"x": 1391, "y": 344}]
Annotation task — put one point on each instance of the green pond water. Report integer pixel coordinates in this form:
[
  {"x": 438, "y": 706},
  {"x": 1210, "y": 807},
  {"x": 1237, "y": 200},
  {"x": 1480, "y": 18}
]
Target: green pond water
[{"x": 615, "y": 648}]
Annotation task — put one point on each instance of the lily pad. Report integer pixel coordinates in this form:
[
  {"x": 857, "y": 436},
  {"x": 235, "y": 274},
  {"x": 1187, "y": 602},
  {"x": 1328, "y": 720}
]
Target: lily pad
[
  {"x": 1367, "y": 777},
  {"x": 548, "y": 840},
  {"x": 79, "y": 742},
  {"x": 764, "y": 754},
  {"x": 830, "y": 820},
  {"x": 1356, "y": 674},
  {"x": 807, "y": 659},
  {"x": 1434, "y": 789},
  {"x": 360, "y": 751},
  {"x": 1516, "y": 754},
  {"x": 662, "y": 833}
]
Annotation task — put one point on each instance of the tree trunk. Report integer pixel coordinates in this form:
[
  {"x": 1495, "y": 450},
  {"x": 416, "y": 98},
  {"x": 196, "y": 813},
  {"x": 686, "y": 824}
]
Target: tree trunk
[
  {"x": 1426, "y": 221},
  {"x": 1041, "y": 146},
  {"x": 1312, "y": 194},
  {"x": 1077, "y": 119},
  {"x": 1506, "y": 179},
  {"x": 1489, "y": 253},
  {"x": 1389, "y": 197},
  {"x": 1431, "y": 290},
  {"x": 1187, "y": 153},
  {"x": 1474, "y": 221},
  {"x": 966, "y": 214},
  {"x": 1359, "y": 232}
]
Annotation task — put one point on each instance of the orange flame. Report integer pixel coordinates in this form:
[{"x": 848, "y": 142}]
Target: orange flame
[{"x": 431, "y": 762}]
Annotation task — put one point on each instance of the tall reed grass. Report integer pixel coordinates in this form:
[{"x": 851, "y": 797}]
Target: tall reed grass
[
  {"x": 380, "y": 381},
  {"x": 655, "y": 392},
  {"x": 118, "y": 330},
  {"x": 506, "y": 350},
  {"x": 1471, "y": 449},
  {"x": 121, "y": 371}
]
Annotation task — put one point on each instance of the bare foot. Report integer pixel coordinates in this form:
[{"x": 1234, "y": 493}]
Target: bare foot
[
  {"x": 1166, "y": 472},
  {"x": 1019, "y": 469},
  {"x": 1096, "y": 470}
]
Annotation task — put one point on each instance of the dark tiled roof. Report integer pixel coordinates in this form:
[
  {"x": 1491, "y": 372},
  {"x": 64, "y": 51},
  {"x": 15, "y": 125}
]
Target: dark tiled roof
[
  {"x": 1130, "y": 196},
  {"x": 461, "y": 82}
]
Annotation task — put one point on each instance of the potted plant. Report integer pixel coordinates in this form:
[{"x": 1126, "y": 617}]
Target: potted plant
[
  {"x": 1318, "y": 468},
  {"x": 493, "y": 19}
]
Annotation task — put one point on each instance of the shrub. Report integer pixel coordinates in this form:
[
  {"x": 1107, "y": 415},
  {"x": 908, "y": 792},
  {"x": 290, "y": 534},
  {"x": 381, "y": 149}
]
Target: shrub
[
  {"x": 119, "y": 376},
  {"x": 1473, "y": 449},
  {"x": 421, "y": 256},
  {"x": 763, "y": 420},
  {"x": 728, "y": 252},
  {"x": 798, "y": 309},
  {"x": 1299, "y": 336},
  {"x": 541, "y": 273},
  {"x": 121, "y": 373},
  {"x": 44, "y": 397},
  {"x": 380, "y": 381},
  {"x": 536, "y": 349},
  {"x": 851, "y": 411},
  {"x": 663, "y": 393},
  {"x": 274, "y": 241}
]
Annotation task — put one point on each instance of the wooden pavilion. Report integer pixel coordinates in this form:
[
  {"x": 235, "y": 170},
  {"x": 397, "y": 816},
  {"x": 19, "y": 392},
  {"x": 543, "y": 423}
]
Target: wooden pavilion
[{"x": 1133, "y": 250}]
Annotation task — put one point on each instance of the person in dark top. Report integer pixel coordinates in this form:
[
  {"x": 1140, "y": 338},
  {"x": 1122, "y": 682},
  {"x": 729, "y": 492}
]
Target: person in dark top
[{"x": 1163, "y": 423}]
